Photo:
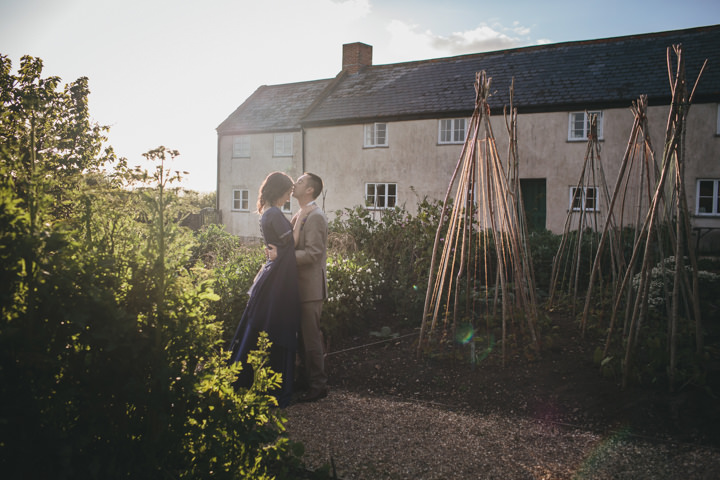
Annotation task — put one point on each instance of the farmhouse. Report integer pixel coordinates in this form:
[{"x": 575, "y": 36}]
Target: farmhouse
[{"x": 387, "y": 135}]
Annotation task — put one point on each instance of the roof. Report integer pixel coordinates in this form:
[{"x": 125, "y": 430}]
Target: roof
[
  {"x": 274, "y": 108},
  {"x": 603, "y": 73}
]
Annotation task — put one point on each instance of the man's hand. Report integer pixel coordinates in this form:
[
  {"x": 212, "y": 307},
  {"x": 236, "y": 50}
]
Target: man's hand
[{"x": 271, "y": 252}]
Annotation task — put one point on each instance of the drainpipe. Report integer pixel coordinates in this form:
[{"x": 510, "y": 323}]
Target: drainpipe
[
  {"x": 217, "y": 180},
  {"x": 218, "y": 212},
  {"x": 302, "y": 150}
]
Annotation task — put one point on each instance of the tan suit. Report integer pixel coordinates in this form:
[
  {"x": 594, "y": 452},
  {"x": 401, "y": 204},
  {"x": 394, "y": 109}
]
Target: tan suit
[{"x": 311, "y": 256}]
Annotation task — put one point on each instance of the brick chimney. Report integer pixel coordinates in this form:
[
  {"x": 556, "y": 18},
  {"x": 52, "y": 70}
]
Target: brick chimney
[{"x": 356, "y": 56}]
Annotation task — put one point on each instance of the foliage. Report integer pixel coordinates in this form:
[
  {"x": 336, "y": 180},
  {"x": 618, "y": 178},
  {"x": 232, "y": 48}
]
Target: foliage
[
  {"x": 110, "y": 358},
  {"x": 543, "y": 248},
  {"x": 355, "y": 285},
  {"x": 652, "y": 353},
  {"x": 191, "y": 200},
  {"x": 401, "y": 244},
  {"x": 234, "y": 267},
  {"x": 662, "y": 275}
]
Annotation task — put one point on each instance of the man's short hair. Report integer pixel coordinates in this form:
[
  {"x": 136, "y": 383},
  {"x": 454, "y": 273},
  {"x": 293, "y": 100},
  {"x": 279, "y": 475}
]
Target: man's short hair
[{"x": 316, "y": 183}]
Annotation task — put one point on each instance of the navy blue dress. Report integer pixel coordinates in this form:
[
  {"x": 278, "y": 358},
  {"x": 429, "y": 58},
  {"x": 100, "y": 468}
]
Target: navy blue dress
[{"x": 273, "y": 307}]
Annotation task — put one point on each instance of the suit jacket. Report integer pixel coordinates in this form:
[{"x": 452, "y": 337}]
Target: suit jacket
[{"x": 311, "y": 256}]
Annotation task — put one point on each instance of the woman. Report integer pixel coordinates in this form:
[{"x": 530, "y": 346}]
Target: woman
[{"x": 274, "y": 304}]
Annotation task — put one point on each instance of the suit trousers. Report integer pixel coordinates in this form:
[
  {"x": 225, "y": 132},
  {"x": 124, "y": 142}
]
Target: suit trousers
[{"x": 312, "y": 353}]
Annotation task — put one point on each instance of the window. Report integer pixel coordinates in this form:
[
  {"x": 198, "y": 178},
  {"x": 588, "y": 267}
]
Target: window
[
  {"x": 452, "y": 130},
  {"x": 579, "y": 125},
  {"x": 584, "y": 198},
  {"x": 286, "y": 207},
  {"x": 376, "y": 135},
  {"x": 283, "y": 145},
  {"x": 708, "y": 197},
  {"x": 380, "y": 195},
  {"x": 241, "y": 146},
  {"x": 241, "y": 200}
]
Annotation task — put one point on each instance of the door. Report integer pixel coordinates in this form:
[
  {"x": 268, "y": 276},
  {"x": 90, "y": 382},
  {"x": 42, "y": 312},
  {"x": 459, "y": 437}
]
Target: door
[{"x": 534, "y": 200}]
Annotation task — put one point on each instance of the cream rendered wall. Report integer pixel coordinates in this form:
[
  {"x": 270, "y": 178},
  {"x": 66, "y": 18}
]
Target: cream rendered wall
[
  {"x": 422, "y": 168},
  {"x": 248, "y": 174},
  {"x": 413, "y": 160},
  {"x": 702, "y": 147}
]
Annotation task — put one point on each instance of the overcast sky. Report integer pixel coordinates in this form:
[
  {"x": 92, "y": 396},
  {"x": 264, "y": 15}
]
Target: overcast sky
[{"x": 168, "y": 72}]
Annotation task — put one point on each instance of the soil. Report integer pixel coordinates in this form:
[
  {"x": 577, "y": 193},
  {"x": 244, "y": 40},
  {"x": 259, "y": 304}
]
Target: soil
[{"x": 563, "y": 385}]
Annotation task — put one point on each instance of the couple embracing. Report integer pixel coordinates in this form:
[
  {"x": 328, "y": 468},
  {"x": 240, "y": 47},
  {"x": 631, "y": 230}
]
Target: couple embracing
[{"x": 287, "y": 295}]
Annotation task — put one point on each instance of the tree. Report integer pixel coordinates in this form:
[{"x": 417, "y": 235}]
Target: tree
[{"x": 110, "y": 364}]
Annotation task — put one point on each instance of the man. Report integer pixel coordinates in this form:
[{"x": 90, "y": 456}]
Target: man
[{"x": 310, "y": 232}]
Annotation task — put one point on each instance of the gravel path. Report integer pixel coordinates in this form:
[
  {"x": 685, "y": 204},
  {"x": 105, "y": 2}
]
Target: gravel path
[{"x": 386, "y": 438}]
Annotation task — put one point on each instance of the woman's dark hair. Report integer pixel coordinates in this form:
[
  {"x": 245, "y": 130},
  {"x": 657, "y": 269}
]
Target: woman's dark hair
[{"x": 273, "y": 187}]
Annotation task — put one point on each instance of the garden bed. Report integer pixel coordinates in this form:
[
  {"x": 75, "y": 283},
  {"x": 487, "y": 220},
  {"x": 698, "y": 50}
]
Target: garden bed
[{"x": 391, "y": 414}]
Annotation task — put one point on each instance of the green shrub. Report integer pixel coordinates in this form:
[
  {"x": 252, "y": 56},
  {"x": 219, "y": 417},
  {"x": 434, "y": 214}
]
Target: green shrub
[
  {"x": 111, "y": 364},
  {"x": 661, "y": 281},
  {"x": 543, "y": 249},
  {"x": 401, "y": 244},
  {"x": 355, "y": 286},
  {"x": 231, "y": 266}
]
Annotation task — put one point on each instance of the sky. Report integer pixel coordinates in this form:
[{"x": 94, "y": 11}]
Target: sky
[{"x": 168, "y": 72}]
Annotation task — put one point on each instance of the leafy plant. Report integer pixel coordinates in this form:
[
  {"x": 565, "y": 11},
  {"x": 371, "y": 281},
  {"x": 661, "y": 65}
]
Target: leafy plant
[
  {"x": 111, "y": 362},
  {"x": 400, "y": 242},
  {"x": 385, "y": 332},
  {"x": 355, "y": 286}
]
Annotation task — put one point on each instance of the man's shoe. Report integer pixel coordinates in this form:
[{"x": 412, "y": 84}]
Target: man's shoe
[{"x": 313, "y": 395}]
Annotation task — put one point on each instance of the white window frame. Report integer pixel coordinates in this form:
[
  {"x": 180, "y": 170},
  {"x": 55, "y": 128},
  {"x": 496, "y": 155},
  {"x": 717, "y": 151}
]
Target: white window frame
[
  {"x": 715, "y": 207},
  {"x": 584, "y": 198},
  {"x": 283, "y": 145},
  {"x": 241, "y": 146},
  {"x": 376, "y": 135},
  {"x": 240, "y": 200},
  {"x": 383, "y": 200},
  {"x": 575, "y": 134},
  {"x": 452, "y": 131}
]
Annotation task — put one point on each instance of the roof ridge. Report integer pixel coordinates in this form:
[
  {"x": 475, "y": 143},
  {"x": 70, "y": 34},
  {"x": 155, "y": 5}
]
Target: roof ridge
[
  {"x": 548, "y": 46},
  {"x": 324, "y": 94},
  {"x": 599, "y": 73}
]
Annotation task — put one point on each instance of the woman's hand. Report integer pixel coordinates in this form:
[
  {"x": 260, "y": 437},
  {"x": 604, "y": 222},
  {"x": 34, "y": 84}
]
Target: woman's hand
[{"x": 271, "y": 252}]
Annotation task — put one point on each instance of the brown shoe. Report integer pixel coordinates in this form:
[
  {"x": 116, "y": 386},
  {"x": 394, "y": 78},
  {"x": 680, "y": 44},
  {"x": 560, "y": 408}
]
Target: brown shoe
[{"x": 313, "y": 395}]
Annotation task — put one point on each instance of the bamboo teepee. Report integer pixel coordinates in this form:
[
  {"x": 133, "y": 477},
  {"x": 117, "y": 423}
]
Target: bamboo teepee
[
  {"x": 637, "y": 177},
  {"x": 483, "y": 263},
  {"x": 582, "y": 220},
  {"x": 667, "y": 224}
]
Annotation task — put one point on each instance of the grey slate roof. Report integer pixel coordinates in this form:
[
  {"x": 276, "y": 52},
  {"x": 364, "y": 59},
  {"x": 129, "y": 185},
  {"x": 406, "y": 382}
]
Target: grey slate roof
[
  {"x": 274, "y": 108},
  {"x": 555, "y": 77}
]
